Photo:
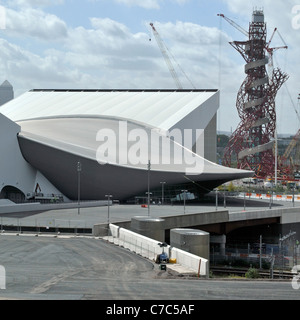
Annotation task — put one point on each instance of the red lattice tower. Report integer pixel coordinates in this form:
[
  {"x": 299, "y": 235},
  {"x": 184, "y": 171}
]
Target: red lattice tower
[{"x": 252, "y": 142}]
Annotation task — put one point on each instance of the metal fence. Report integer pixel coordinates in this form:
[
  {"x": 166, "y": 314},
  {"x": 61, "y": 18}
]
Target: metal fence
[
  {"x": 44, "y": 225},
  {"x": 270, "y": 256}
]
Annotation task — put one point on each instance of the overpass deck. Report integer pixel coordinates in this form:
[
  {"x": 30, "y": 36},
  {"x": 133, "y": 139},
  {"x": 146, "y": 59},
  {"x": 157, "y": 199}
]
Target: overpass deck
[
  {"x": 91, "y": 214},
  {"x": 97, "y": 213}
]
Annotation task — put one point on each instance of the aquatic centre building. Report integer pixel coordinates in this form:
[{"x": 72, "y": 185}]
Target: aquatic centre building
[{"x": 118, "y": 142}]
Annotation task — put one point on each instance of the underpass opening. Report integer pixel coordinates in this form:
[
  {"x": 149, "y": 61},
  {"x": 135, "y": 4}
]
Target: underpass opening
[
  {"x": 250, "y": 233},
  {"x": 13, "y": 194}
]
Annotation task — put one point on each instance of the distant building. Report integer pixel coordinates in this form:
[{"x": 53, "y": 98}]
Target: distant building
[{"x": 6, "y": 92}]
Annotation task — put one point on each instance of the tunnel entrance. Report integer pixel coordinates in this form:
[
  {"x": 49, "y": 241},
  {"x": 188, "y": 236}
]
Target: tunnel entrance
[{"x": 13, "y": 194}]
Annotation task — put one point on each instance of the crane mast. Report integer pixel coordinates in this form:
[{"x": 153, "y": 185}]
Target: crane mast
[{"x": 166, "y": 57}]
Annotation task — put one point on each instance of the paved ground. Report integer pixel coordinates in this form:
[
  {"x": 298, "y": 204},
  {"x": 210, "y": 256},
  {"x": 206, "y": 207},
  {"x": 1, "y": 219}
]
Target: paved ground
[
  {"x": 75, "y": 268},
  {"x": 78, "y": 268},
  {"x": 91, "y": 216}
]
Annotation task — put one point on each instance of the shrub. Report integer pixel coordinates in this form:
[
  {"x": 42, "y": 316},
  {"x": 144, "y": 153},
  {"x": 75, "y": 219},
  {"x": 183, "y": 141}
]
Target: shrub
[
  {"x": 231, "y": 187},
  {"x": 252, "y": 273}
]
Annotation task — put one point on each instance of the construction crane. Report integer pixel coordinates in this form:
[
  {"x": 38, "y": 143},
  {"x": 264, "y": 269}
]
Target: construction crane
[
  {"x": 242, "y": 30},
  {"x": 270, "y": 51},
  {"x": 291, "y": 146},
  {"x": 295, "y": 139},
  {"x": 164, "y": 52},
  {"x": 166, "y": 57}
]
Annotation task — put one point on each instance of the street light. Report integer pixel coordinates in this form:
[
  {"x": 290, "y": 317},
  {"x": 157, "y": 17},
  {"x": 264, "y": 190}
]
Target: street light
[
  {"x": 79, "y": 167},
  {"x": 216, "y": 199},
  {"x": 293, "y": 195},
  {"x": 148, "y": 193},
  {"x": 184, "y": 196},
  {"x": 108, "y": 196},
  {"x": 162, "y": 192}
]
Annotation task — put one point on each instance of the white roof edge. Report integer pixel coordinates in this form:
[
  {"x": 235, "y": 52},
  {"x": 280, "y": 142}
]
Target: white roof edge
[{"x": 146, "y": 108}]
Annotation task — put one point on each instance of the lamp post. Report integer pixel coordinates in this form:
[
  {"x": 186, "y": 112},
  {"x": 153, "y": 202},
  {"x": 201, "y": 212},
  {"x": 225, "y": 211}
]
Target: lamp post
[
  {"x": 162, "y": 192},
  {"x": 293, "y": 195},
  {"x": 108, "y": 196},
  {"x": 184, "y": 197},
  {"x": 260, "y": 250},
  {"x": 148, "y": 193},
  {"x": 244, "y": 200},
  {"x": 79, "y": 167}
]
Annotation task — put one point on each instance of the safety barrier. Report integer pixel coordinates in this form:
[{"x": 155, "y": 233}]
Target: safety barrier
[
  {"x": 268, "y": 196},
  {"x": 149, "y": 248}
]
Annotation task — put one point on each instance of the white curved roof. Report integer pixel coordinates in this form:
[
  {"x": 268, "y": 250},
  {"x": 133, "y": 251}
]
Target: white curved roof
[
  {"x": 111, "y": 164},
  {"x": 78, "y": 135},
  {"x": 158, "y": 108}
]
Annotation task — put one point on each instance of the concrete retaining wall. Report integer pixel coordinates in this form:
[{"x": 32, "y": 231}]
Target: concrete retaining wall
[
  {"x": 286, "y": 215},
  {"x": 195, "y": 219},
  {"x": 102, "y": 229},
  {"x": 36, "y": 207},
  {"x": 149, "y": 248}
]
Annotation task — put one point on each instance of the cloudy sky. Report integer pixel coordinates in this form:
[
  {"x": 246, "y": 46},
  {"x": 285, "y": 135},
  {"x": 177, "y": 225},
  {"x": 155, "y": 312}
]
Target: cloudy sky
[{"x": 105, "y": 44}]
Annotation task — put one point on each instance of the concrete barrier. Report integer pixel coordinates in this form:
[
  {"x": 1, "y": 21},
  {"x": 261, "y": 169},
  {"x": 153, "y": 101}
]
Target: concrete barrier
[
  {"x": 195, "y": 263},
  {"x": 149, "y": 248}
]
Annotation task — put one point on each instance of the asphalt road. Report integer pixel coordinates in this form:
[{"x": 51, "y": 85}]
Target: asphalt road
[{"x": 83, "y": 268}]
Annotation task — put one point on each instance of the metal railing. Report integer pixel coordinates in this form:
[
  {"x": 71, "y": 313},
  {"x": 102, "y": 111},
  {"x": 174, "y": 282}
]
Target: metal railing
[{"x": 42, "y": 225}]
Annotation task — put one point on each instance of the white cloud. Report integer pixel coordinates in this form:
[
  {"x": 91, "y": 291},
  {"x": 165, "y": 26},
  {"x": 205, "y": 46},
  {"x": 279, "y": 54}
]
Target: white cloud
[
  {"x": 35, "y": 23},
  {"x": 108, "y": 38},
  {"x": 34, "y": 69},
  {"x": 110, "y": 28},
  {"x": 35, "y": 3},
  {"x": 190, "y": 33},
  {"x": 146, "y": 4}
]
